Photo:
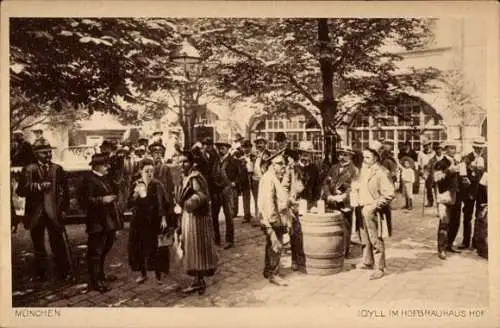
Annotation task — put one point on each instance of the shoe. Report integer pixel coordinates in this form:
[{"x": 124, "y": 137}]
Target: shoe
[
  {"x": 68, "y": 277},
  {"x": 462, "y": 247},
  {"x": 39, "y": 278},
  {"x": 255, "y": 224},
  {"x": 277, "y": 280},
  {"x": 451, "y": 249},
  {"x": 363, "y": 266},
  {"x": 108, "y": 278},
  {"x": 193, "y": 288},
  {"x": 442, "y": 255},
  {"x": 99, "y": 286},
  {"x": 228, "y": 246},
  {"x": 203, "y": 287},
  {"x": 429, "y": 205},
  {"x": 141, "y": 279},
  {"x": 377, "y": 275}
]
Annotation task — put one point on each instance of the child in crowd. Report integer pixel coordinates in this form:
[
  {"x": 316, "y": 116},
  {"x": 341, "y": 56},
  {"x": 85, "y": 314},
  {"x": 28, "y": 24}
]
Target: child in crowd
[{"x": 408, "y": 179}]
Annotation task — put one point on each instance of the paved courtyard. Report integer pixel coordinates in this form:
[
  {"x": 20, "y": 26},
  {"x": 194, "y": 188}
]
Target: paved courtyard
[{"x": 415, "y": 275}]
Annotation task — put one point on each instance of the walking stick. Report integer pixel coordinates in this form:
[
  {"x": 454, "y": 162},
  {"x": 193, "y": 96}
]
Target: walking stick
[
  {"x": 423, "y": 199},
  {"x": 67, "y": 249}
]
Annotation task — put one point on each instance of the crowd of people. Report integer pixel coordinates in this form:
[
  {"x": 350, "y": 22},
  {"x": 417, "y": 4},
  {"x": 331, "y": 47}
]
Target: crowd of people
[{"x": 176, "y": 199}]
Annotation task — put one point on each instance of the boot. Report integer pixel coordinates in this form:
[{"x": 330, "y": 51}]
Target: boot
[{"x": 410, "y": 204}]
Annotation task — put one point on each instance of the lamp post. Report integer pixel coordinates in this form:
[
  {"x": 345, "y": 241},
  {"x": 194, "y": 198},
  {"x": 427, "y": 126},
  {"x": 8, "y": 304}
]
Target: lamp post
[{"x": 189, "y": 57}]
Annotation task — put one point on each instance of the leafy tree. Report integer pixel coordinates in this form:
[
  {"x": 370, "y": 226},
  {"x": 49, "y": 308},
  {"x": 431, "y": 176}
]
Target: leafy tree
[
  {"x": 85, "y": 61},
  {"x": 318, "y": 63}
]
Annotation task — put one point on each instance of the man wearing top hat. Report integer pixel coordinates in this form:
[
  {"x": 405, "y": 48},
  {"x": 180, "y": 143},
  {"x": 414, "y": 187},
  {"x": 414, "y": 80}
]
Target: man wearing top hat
[
  {"x": 337, "y": 188},
  {"x": 230, "y": 173},
  {"x": 259, "y": 167},
  {"x": 45, "y": 186},
  {"x": 475, "y": 165},
  {"x": 99, "y": 198},
  {"x": 373, "y": 190},
  {"x": 424, "y": 159}
]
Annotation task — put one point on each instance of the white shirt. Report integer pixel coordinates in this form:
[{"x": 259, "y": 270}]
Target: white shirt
[
  {"x": 365, "y": 198},
  {"x": 407, "y": 175},
  {"x": 423, "y": 158}
]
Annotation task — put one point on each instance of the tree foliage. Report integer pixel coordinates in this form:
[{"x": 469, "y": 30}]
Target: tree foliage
[
  {"x": 85, "y": 61},
  {"x": 282, "y": 61}
]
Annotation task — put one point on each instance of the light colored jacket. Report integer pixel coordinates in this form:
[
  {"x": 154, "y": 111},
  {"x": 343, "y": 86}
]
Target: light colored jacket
[
  {"x": 273, "y": 201},
  {"x": 380, "y": 187}
]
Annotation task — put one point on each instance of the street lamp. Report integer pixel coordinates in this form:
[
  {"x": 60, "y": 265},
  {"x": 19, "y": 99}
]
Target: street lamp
[{"x": 188, "y": 56}]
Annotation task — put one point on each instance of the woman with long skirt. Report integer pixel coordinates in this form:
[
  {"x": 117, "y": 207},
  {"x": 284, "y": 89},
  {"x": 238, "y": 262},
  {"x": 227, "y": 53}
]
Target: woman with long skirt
[
  {"x": 197, "y": 234},
  {"x": 149, "y": 220}
]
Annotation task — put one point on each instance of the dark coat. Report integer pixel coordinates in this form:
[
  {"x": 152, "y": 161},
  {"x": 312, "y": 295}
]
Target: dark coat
[
  {"x": 337, "y": 182},
  {"x": 53, "y": 201},
  {"x": 149, "y": 210},
  {"x": 309, "y": 176},
  {"x": 474, "y": 174},
  {"x": 100, "y": 217},
  {"x": 163, "y": 174},
  {"x": 230, "y": 169},
  {"x": 22, "y": 155},
  {"x": 388, "y": 161}
]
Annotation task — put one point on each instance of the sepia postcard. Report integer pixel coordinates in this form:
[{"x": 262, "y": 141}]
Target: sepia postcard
[{"x": 249, "y": 164}]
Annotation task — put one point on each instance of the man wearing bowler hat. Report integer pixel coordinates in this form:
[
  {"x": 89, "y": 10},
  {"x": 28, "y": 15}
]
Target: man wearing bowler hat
[
  {"x": 476, "y": 164},
  {"x": 453, "y": 175},
  {"x": 337, "y": 189},
  {"x": 99, "y": 198},
  {"x": 246, "y": 178},
  {"x": 163, "y": 173},
  {"x": 230, "y": 173},
  {"x": 45, "y": 186},
  {"x": 446, "y": 171},
  {"x": 373, "y": 190}
]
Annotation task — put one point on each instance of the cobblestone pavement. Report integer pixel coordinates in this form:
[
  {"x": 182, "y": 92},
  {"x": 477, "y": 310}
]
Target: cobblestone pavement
[{"x": 415, "y": 275}]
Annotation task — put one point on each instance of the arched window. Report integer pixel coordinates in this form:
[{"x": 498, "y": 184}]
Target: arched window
[
  {"x": 415, "y": 120},
  {"x": 298, "y": 127}
]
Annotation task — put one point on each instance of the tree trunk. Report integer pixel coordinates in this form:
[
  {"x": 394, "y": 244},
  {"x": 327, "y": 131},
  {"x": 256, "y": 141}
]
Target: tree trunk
[{"x": 328, "y": 105}]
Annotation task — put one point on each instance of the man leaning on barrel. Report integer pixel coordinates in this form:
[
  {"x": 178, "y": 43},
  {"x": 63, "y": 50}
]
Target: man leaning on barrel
[{"x": 373, "y": 190}]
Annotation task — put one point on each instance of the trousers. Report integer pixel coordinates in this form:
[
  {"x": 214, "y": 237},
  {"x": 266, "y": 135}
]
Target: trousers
[
  {"x": 372, "y": 244},
  {"x": 220, "y": 200},
  {"x": 429, "y": 191},
  {"x": 58, "y": 246},
  {"x": 468, "y": 209},
  {"x": 272, "y": 259},
  {"x": 297, "y": 243},
  {"x": 454, "y": 221},
  {"x": 99, "y": 245},
  {"x": 445, "y": 212}
]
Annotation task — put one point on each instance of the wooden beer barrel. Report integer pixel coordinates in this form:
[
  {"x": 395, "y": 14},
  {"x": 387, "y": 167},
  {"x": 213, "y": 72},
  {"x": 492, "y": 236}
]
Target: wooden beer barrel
[{"x": 323, "y": 238}]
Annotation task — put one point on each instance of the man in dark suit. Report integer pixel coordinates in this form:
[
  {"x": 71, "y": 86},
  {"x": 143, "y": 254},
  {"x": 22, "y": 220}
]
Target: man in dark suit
[
  {"x": 388, "y": 161},
  {"x": 163, "y": 173},
  {"x": 475, "y": 166},
  {"x": 230, "y": 174},
  {"x": 99, "y": 196},
  {"x": 45, "y": 186},
  {"x": 246, "y": 178},
  {"x": 337, "y": 188}
]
